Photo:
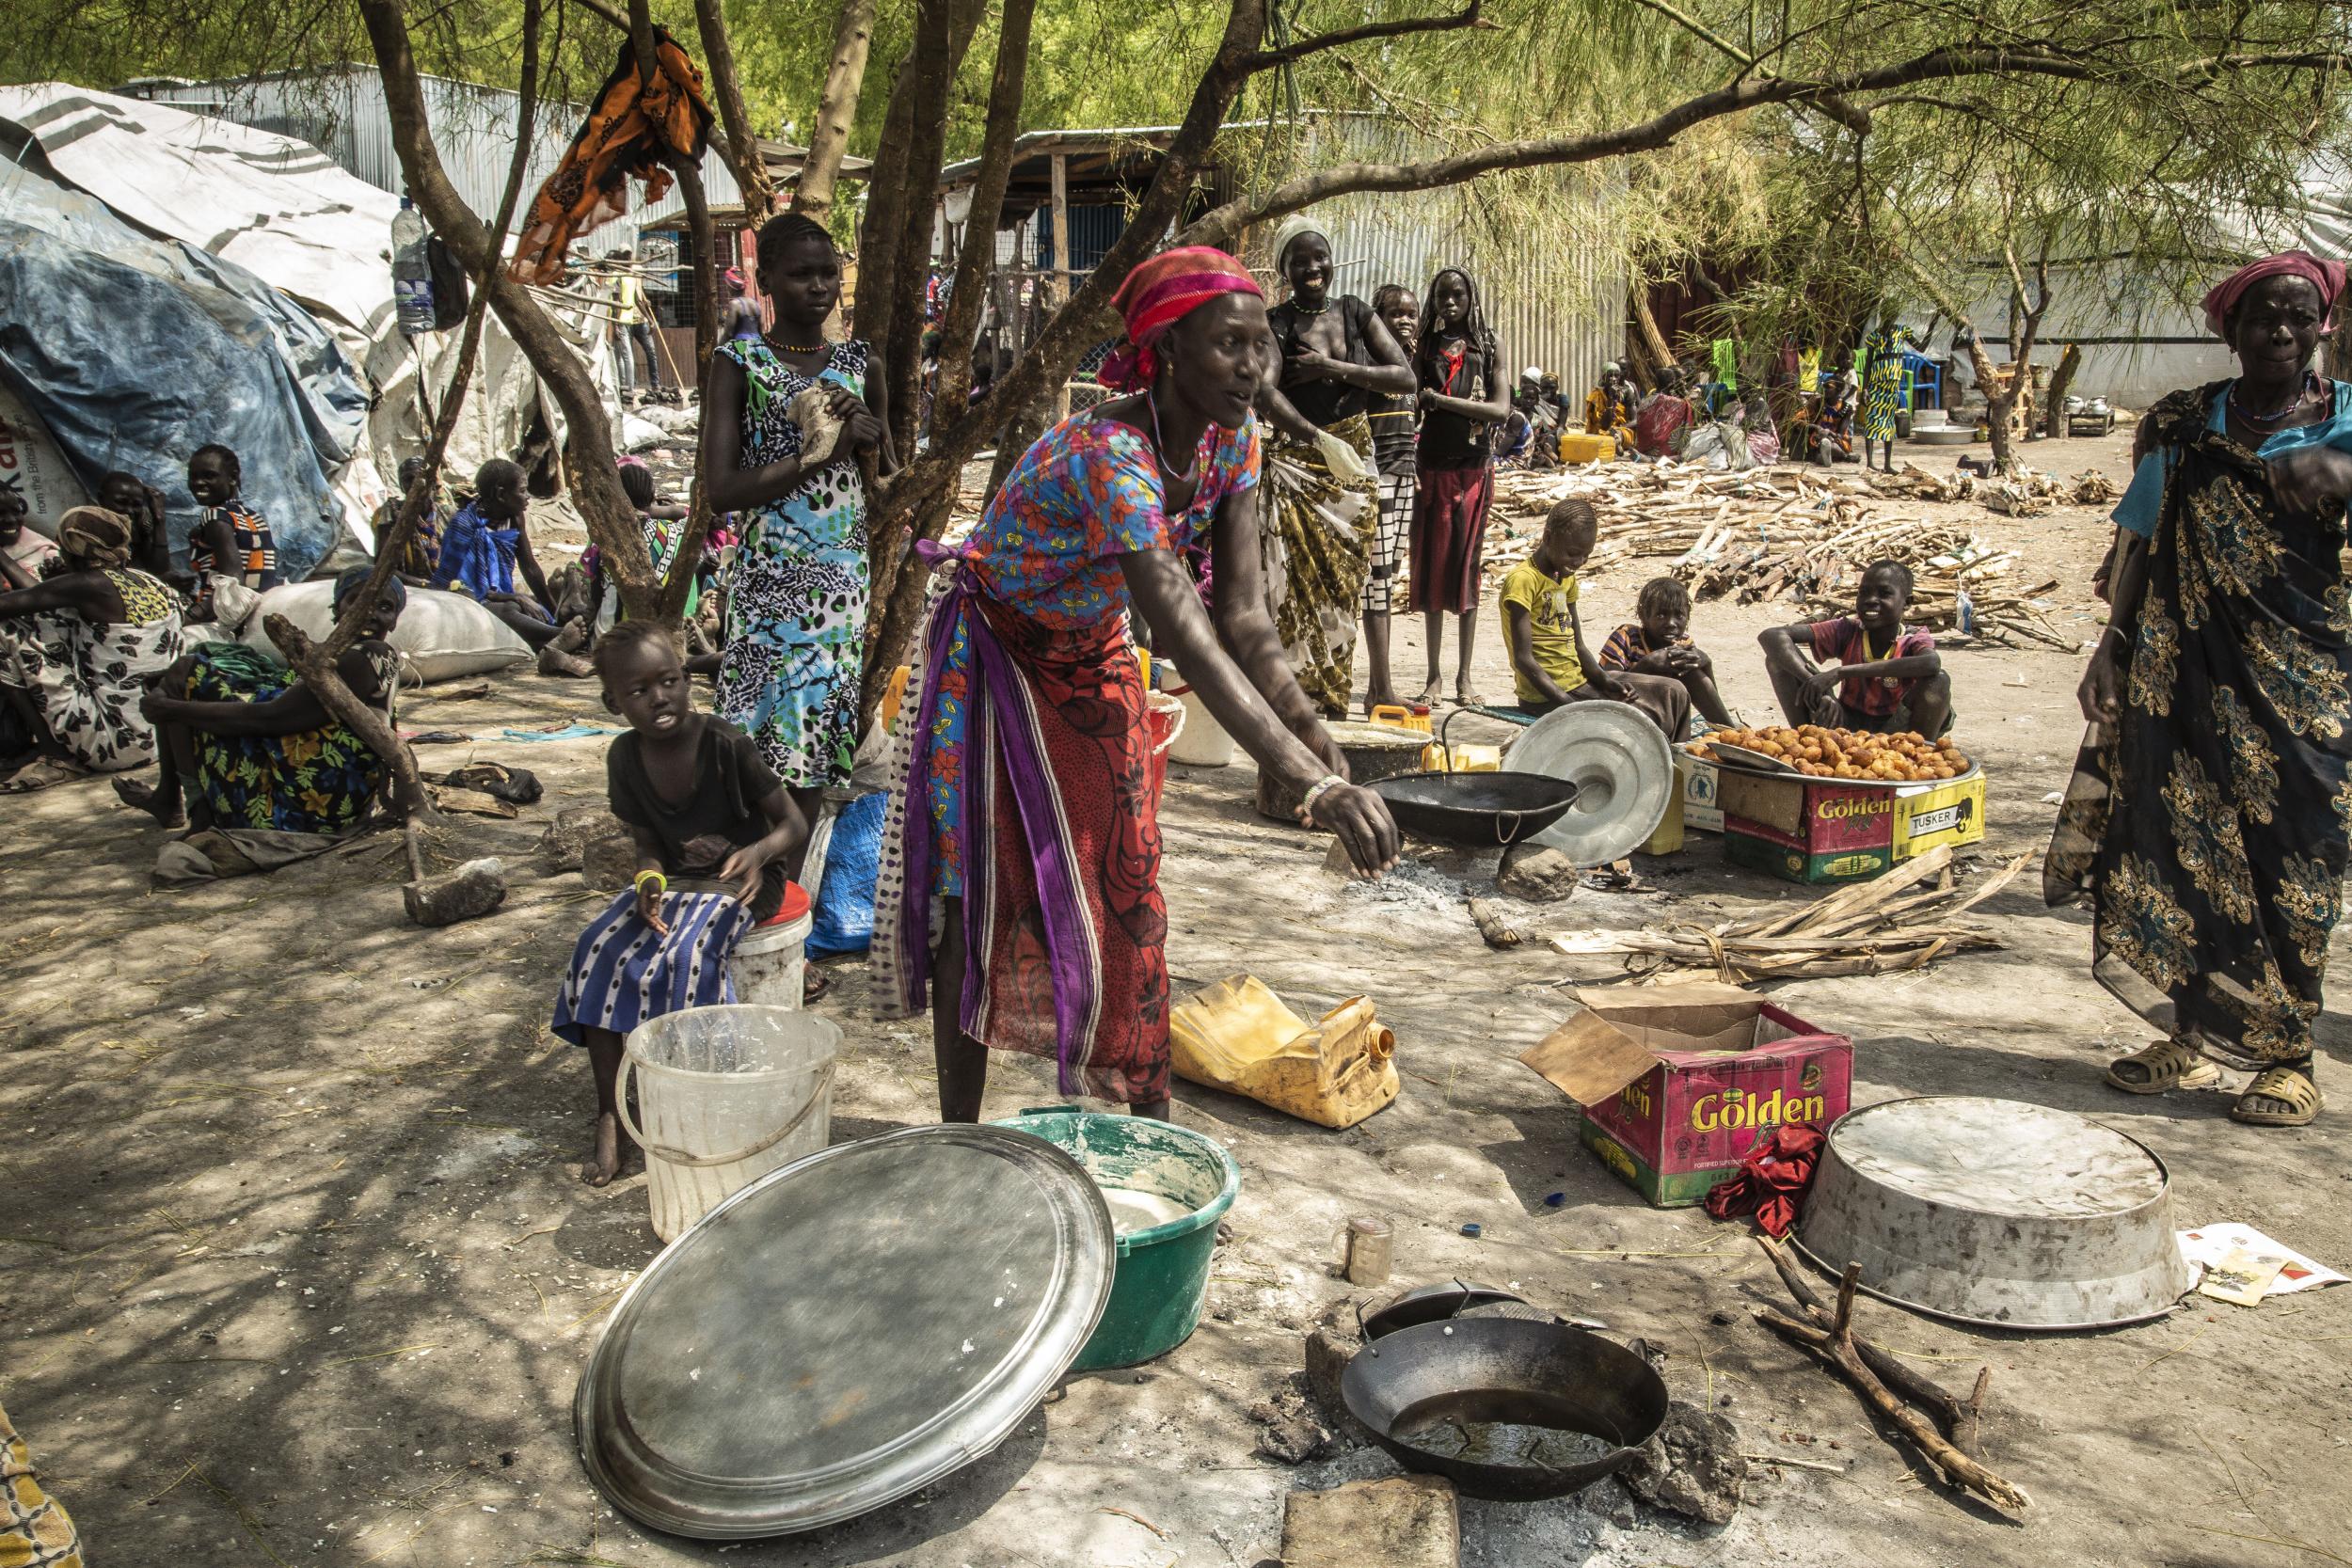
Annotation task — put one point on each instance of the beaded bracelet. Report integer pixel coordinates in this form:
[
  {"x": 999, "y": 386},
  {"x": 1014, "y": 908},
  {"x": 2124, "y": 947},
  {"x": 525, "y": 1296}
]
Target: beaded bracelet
[{"x": 1315, "y": 792}]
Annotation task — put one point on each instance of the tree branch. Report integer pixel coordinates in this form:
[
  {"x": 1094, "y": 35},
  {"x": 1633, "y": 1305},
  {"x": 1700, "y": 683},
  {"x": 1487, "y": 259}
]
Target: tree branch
[
  {"x": 837, "y": 107},
  {"x": 604, "y": 506},
  {"x": 389, "y": 547},
  {"x": 977, "y": 258},
  {"x": 1267, "y": 60},
  {"x": 750, "y": 168}
]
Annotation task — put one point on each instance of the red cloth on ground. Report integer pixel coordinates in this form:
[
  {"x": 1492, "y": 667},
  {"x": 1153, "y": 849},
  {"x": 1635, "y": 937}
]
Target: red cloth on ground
[
  {"x": 1449, "y": 532},
  {"x": 1772, "y": 1179}
]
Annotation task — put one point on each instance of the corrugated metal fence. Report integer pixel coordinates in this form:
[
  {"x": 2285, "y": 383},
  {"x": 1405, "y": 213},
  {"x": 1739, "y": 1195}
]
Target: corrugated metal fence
[{"x": 1552, "y": 297}]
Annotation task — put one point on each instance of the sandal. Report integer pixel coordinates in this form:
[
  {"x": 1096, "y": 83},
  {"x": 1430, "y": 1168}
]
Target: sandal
[
  {"x": 2287, "y": 1087},
  {"x": 815, "y": 983},
  {"x": 40, "y": 773},
  {"x": 2164, "y": 1066}
]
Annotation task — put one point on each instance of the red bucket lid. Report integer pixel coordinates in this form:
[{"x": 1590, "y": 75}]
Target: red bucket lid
[{"x": 795, "y": 906}]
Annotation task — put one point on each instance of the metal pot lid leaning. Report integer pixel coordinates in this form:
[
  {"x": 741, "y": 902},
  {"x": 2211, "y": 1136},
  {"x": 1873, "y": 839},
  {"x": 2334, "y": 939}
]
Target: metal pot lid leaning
[
  {"x": 844, "y": 1331},
  {"x": 1996, "y": 1212},
  {"x": 1623, "y": 770}
]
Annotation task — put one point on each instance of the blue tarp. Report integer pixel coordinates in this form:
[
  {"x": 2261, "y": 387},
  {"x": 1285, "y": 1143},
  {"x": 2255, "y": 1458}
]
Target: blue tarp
[{"x": 134, "y": 351}]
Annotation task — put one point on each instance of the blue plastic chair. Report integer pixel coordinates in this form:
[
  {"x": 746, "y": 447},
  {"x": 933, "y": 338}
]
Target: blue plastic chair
[{"x": 1922, "y": 376}]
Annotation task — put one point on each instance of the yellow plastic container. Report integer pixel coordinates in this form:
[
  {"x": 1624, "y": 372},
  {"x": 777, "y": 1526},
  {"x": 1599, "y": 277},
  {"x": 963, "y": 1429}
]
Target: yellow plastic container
[
  {"x": 1396, "y": 716},
  {"x": 1667, "y": 839},
  {"x": 1467, "y": 758},
  {"x": 1577, "y": 447},
  {"x": 1237, "y": 1036}
]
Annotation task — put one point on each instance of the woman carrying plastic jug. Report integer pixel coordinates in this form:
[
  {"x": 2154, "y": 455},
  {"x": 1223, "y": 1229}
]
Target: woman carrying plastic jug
[{"x": 1024, "y": 816}]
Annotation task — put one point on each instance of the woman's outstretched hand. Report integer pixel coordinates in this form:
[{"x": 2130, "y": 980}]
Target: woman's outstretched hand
[{"x": 1362, "y": 820}]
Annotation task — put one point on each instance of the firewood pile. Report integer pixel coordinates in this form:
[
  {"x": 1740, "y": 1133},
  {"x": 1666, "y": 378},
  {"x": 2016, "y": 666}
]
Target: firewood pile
[
  {"x": 1883, "y": 926},
  {"x": 1798, "y": 535}
]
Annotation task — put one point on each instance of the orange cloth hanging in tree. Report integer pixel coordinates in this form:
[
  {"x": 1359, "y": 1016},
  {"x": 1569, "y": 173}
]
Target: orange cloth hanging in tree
[{"x": 629, "y": 124}]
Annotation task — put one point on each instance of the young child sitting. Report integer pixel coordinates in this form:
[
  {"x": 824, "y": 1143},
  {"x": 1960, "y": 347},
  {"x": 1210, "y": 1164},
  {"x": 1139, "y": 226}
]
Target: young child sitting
[
  {"x": 702, "y": 806},
  {"x": 1879, "y": 677},
  {"x": 1659, "y": 643},
  {"x": 230, "y": 540},
  {"x": 1548, "y": 659}
]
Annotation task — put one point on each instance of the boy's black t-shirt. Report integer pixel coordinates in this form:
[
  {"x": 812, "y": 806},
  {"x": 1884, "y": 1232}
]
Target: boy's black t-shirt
[{"x": 719, "y": 816}]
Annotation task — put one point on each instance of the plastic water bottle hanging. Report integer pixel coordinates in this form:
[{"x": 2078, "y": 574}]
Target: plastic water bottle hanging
[{"x": 412, "y": 270}]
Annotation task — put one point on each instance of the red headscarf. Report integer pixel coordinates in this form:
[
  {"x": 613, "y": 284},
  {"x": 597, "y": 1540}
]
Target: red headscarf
[
  {"x": 1160, "y": 293},
  {"x": 2327, "y": 276}
]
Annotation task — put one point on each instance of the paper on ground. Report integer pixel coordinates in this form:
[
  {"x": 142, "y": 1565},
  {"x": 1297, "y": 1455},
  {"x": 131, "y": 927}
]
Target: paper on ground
[{"x": 2207, "y": 1245}]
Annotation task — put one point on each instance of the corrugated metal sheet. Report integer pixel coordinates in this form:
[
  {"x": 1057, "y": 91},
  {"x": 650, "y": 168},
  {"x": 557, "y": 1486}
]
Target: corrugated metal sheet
[
  {"x": 1552, "y": 296},
  {"x": 341, "y": 112}
]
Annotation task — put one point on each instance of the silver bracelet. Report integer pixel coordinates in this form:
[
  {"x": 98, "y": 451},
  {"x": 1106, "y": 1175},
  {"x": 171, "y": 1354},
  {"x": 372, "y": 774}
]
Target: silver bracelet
[{"x": 1315, "y": 792}]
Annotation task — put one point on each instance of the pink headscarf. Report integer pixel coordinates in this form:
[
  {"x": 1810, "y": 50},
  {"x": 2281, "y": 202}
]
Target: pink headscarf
[
  {"x": 2327, "y": 276},
  {"x": 1161, "y": 292}
]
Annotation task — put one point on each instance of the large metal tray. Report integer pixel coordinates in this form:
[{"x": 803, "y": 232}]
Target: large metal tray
[
  {"x": 1996, "y": 1212},
  {"x": 845, "y": 1331}
]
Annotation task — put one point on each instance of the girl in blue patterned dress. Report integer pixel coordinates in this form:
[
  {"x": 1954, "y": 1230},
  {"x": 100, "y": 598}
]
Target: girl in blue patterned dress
[{"x": 796, "y": 608}]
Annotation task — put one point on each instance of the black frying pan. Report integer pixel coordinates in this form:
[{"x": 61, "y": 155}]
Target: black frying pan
[
  {"x": 1505, "y": 1370},
  {"x": 1475, "y": 811}
]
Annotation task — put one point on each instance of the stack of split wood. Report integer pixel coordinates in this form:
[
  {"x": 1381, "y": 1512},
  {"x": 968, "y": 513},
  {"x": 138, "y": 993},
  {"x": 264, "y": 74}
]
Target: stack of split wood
[
  {"x": 1784, "y": 534},
  {"x": 1875, "y": 928}
]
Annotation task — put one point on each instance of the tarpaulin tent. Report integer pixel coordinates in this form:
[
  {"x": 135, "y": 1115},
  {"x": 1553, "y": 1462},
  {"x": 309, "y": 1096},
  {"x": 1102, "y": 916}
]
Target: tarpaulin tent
[
  {"x": 281, "y": 211},
  {"x": 132, "y": 351}
]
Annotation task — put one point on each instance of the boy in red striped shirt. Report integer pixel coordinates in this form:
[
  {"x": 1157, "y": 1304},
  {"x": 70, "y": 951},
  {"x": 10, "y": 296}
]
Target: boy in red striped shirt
[{"x": 1658, "y": 642}]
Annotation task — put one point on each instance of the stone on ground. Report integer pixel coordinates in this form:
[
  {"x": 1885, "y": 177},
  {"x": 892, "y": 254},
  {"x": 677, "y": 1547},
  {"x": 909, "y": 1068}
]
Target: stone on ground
[
  {"x": 1537, "y": 874},
  {"x": 1397, "y": 1522}
]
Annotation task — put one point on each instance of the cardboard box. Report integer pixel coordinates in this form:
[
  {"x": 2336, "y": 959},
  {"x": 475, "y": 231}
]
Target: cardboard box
[
  {"x": 1697, "y": 777},
  {"x": 1834, "y": 831},
  {"x": 1677, "y": 1082}
]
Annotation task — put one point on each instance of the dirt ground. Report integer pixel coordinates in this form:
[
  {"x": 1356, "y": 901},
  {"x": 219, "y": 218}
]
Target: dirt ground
[{"x": 299, "y": 1269}]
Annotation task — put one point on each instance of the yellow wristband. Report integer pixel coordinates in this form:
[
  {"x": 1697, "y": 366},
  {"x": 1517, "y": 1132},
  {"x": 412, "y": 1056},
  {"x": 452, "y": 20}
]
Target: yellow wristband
[{"x": 660, "y": 883}]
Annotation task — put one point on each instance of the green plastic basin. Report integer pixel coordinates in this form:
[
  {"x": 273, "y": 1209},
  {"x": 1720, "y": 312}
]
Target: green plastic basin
[{"x": 1162, "y": 1276}]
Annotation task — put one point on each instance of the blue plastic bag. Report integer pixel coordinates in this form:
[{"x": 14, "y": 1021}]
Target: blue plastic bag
[{"x": 844, "y": 917}]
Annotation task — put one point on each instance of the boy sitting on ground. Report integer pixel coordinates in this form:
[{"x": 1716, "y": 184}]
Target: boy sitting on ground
[
  {"x": 1866, "y": 670},
  {"x": 1549, "y": 660},
  {"x": 1659, "y": 643}
]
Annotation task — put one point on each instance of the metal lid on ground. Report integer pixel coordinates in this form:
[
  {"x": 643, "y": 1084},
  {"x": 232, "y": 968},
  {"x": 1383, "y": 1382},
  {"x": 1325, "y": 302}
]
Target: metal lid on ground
[
  {"x": 844, "y": 1331},
  {"x": 1623, "y": 770}
]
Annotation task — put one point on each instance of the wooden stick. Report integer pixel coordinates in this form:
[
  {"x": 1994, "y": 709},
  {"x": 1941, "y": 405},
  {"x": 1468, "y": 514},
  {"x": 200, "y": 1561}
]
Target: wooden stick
[
  {"x": 1835, "y": 1346},
  {"x": 1955, "y": 1415},
  {"x": 1959, "y": 1469}
]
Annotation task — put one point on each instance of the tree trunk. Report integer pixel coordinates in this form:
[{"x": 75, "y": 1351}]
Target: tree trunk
[
  {"x": 1645, "y": 326},
  {"x": 977, "y": 258},
  {"x": 836, "y": 108},
  {"x": 604, "y": 506},
  {"x": 2061, "y": 382}
]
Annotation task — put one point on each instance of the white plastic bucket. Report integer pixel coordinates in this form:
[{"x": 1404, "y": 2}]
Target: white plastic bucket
[
  {"x": 768, "y": 963},
  {"x": 1202, "y": 742},
  {"x": 726, "y": 1095}
]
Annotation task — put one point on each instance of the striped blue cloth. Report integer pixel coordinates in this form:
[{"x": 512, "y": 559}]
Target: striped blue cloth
[{"x": 622, "y": 974}]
